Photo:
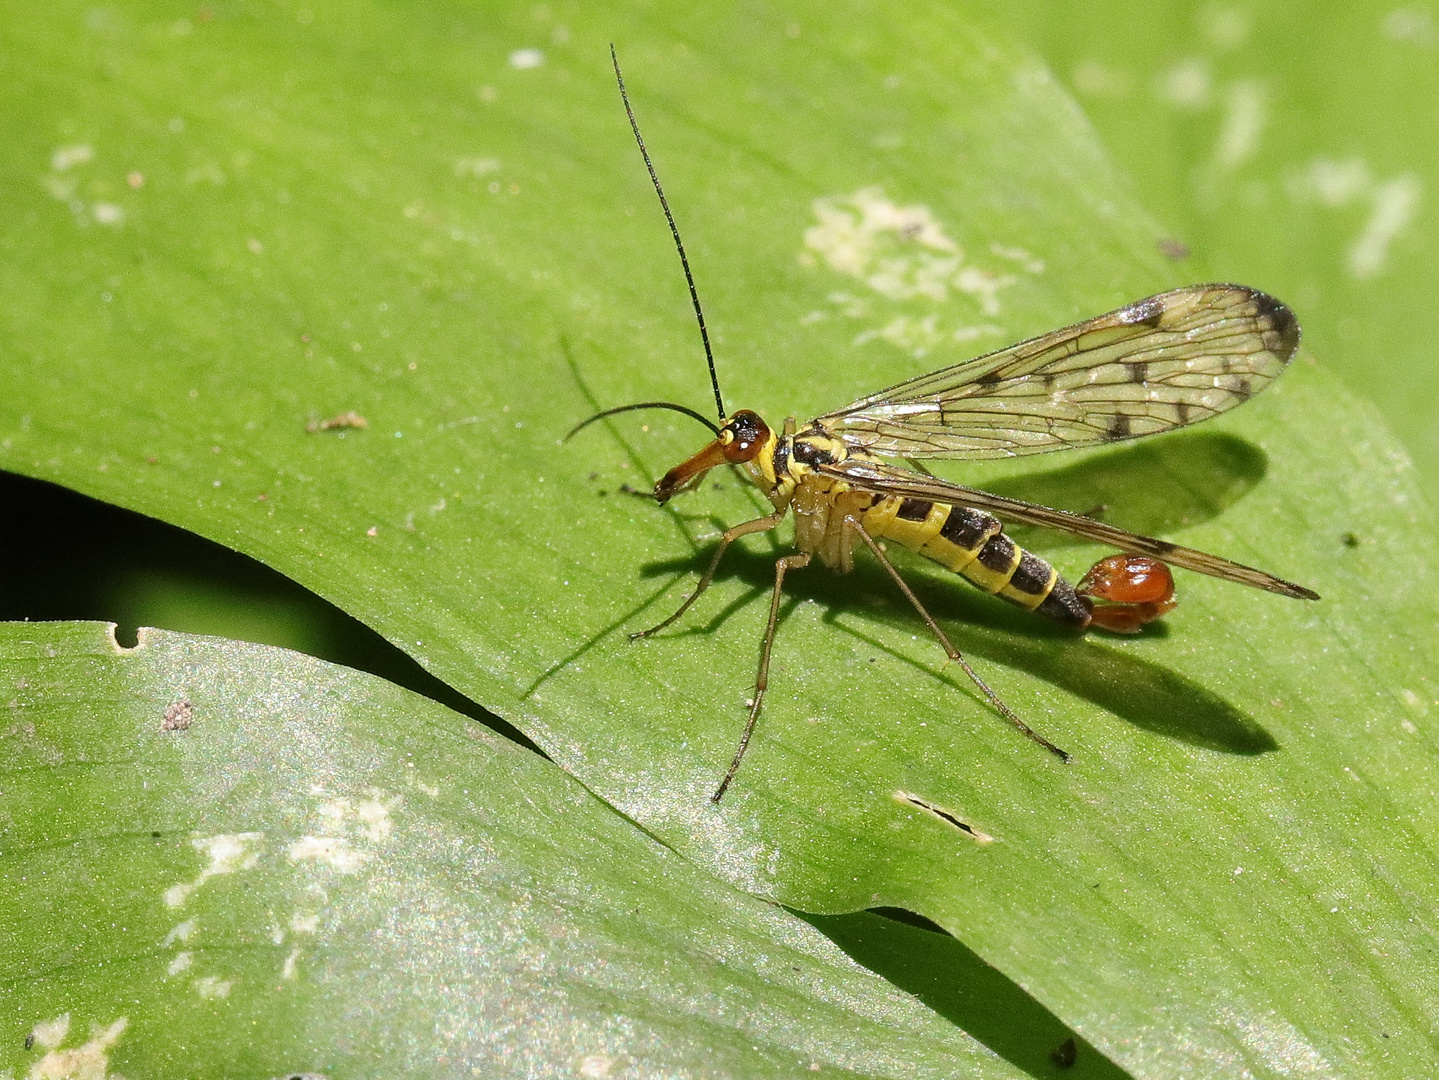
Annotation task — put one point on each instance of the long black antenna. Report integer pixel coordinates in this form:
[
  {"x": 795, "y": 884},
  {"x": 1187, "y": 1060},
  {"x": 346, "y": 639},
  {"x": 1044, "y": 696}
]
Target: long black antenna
[
  {"x": 641, "y": 405},
  {"x": 674, "y": 229}
]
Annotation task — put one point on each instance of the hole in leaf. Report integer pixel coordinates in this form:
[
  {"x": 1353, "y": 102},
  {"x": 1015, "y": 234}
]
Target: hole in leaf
[{"x": 949, "y": 817}]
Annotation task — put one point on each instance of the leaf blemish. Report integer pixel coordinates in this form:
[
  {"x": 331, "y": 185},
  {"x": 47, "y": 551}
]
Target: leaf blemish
[
  {"x": 947, "y": 816},
  {"x": 904, "y": 256},
  {"x": 178, "y": 715},
  {"x": 212, "y": 988},
  {"x": 179, "y": 932},
  {"x": 91, "y": 1059},
  {"x": 228, "y": 852}
]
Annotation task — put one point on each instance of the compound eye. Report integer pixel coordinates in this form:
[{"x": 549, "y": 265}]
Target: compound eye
[{"x": 743, "y": 437}]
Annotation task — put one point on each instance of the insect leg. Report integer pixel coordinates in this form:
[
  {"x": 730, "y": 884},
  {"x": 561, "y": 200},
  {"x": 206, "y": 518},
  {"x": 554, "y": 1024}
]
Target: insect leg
[
  {"x": 944, "y": 642},
  {"x": 763, "y": 524},
  {"x": 789, "y": 562}
]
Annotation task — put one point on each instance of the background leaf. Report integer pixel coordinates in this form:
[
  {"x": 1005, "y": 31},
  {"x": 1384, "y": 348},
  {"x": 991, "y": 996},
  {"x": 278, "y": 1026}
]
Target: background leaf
[
  {"x": 1289, "y": 145},
  {"x": 436, "y": 219}
]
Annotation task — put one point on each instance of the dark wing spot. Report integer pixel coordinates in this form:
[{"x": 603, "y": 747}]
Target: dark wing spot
[
  {"x": 914, "y": 509},
  {"x": 1282, "y": 338},
  {"x": 1138, "y": 371},
  {"x": 1183, "y": 410},
  {"x": 1244, "y": 388},
  {"x": 1150, "y": 312},
  {"x": 989, "y": 378},
  {"x": 1118, "y": 428}
]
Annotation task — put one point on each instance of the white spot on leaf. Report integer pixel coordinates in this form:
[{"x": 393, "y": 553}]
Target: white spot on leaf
[
  {"x": 211, "y": 988},
  {"x": 596, "y": 1066},
  {"x": 1245, "y": 113},
  {"x": 228, "y": 853},
  {"x": 905, "y": 258},
  {"x": 1393, "y": 204},
  {"x": 179, "y": 932},
  {"x": 374, "y": 815},
  {"x": 1029, "y": 263},
  {"x": 66, "y": 157},
  {"x": 51, "y": 1033},
  {"x": 1225, "y": 27},
  {"x": 90, "y": 1061},
  {"x": 332, "y": 851},
  {"x": 476, "y": 166},
  {"x": 1187, "y": 84},
  {"x": 1412, "y": 23}
]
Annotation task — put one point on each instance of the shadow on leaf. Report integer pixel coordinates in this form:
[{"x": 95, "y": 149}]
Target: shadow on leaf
[
  {"x": 922, "y": 959},
  {"x": 69, "y": 556},
  {"x": 1139, "y": 691},
  {"x": 1150, "y": 488}
]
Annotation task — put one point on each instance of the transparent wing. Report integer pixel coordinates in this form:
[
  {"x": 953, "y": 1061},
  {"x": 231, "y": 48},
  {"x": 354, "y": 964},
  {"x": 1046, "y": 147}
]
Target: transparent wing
[
  {"x": 1156, "y": 364},
  {"x": 882, "y": 479}
]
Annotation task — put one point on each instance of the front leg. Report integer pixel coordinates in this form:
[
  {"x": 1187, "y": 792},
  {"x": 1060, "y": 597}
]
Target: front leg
[{"x": 763, "y": 524}]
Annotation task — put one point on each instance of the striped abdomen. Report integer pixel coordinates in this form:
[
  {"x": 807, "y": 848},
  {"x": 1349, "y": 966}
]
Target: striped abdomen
[{"x": 972, "y": 544}]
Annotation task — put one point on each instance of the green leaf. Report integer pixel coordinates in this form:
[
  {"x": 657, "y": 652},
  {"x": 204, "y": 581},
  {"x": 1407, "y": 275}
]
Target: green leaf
[
  {"x": 223, "y": 858},
  {"x": 405, "y": 216}
]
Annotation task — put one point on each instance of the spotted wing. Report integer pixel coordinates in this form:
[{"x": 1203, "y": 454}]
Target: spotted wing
[
  {"x": 1154, "y": 365},
  {"x": 882, "y": 479}
]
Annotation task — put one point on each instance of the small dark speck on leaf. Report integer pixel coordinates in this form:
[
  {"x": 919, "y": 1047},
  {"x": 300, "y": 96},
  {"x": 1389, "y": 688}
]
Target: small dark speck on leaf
[
  {"x": 1065, "y": 1054},
  {"x": 1351, "y": 540},
  {"x": 1171, "y": 248}
]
